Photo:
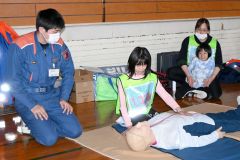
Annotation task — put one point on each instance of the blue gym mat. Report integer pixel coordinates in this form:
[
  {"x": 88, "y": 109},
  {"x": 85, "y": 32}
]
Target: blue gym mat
[{"x": 223, "y": 149}]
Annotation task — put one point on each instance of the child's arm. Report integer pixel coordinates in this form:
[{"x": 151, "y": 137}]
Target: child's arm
[
  {"x": 168, "y": 99},
  {"x": 123, "y": 106}
]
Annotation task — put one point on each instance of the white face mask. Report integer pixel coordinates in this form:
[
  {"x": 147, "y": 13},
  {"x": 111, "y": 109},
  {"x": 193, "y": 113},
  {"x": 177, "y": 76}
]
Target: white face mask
[
  {"x": 52, "y": 38},
  {"x": 201, "y": 36}
]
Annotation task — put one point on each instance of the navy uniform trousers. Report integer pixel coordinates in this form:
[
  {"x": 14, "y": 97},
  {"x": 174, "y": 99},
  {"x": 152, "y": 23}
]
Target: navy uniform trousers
[
  {"x": 229, "y": 121},
  {"x": 59, "y": 124}
]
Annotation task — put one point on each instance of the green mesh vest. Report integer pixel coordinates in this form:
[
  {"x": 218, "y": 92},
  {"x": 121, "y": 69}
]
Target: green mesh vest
[
  {"x": 192, "y": 46},
  {"x": 139, "y": 93}
]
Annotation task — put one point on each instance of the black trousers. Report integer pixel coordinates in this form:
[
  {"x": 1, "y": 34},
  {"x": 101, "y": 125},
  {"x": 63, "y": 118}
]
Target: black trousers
[{"x": 214, "y": 90}]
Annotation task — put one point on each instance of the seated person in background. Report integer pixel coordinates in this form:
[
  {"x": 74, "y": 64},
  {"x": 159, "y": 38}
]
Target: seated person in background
[
  {"x": 201, "y": 69},
  {"x": 186, "y": 55},
  {"x": 175, "y": 131}
]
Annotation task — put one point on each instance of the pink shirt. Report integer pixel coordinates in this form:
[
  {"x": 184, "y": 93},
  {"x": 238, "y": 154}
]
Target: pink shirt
[{"x": 167, "y": 98}]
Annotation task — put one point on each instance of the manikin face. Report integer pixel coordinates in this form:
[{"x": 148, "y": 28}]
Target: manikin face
[
  {"x": 140, "y": 69},
  {"x": 144, "y": 131},
  {"x": 203, "y": 55}
]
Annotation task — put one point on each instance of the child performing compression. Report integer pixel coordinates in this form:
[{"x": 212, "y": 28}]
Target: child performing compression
[{"x": 137, "y": 88}]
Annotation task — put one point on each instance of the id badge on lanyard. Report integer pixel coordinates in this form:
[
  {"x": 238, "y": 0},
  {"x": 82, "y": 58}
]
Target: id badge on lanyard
[{"x": 53, "y": 72}]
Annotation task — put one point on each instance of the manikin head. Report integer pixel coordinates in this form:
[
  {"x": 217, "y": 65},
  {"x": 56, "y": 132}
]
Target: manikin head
[{"x": 140, "y": 137}]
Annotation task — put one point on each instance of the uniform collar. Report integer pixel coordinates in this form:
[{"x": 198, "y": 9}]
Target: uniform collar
[{"x": 39, "y": 47}]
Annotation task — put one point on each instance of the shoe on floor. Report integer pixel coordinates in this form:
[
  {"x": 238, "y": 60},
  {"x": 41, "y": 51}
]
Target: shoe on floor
[
  {"x": 23, "y": 129},
  {"x": 238, "y": 100},
  {"x": 199, "y": 94},
  {"x": 188, "y": 94}
]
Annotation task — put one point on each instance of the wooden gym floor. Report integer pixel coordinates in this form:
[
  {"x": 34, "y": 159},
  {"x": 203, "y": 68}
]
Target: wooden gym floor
[{"x": 91, "y": 115}]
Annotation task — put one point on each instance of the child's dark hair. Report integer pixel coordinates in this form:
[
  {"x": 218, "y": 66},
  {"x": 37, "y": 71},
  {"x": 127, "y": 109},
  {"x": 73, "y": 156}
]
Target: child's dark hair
[
  {"x": 206, "y": 48},
  {"x": 201, "y": 21},
  {"x": 139, "y": 56},
  {"x": 49, "y": 19}
]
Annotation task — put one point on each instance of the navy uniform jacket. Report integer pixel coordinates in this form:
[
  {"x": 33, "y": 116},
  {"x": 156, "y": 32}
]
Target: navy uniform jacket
[{"x": 29, "y": 66}]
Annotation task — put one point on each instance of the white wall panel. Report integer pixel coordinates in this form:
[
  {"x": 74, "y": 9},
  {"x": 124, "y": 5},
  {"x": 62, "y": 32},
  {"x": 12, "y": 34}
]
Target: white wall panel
[{"x": 109, "y": 44}]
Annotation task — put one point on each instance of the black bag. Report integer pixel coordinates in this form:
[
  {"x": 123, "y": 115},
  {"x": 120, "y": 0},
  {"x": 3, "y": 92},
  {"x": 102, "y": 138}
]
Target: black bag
[
  {"x": 229, "y": 75},
  {"x": 166, "y": 60}
]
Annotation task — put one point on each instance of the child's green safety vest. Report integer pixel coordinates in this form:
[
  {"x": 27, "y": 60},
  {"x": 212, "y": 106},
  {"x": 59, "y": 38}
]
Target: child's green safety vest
[
  {"x": 139, "y": 93},
  {"x": 192, "y": 47}
]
